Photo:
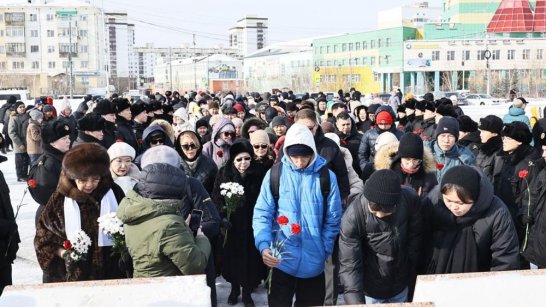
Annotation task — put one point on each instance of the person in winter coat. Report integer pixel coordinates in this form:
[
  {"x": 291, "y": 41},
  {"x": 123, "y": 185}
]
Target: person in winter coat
[
  {"x": 349, "y": 136},
  {"x": 33, "y": 135},
  {"x": 470, "y": 229},
  {"x": 204, "y": 130},
  {"x": 5, "y": 113},
  {"x": 90, "y": 129},
  {"x": 242, "y": 264},
  {"x": 124, "y": 124},
  {"x": 124, "y": 172},
  {"x": 456, "y": 107},
  {"x": 56, "y": 142},
  {"x": 445, "y": 150},
  {"x": 301, "y": 272},
  {"x": 363, "y": 124},
  {"x": 517, "y": 113},
  {"x": 83, "y": 107},
  {"x": 139, "y": 115},
  {"x": 384, "y": 118},
  {"x": 9, "y": 234},
  {"x": 263, "y": 153},
  {"x": 154, "y": 136},
  {"x": 223, "y": 135},
  {"x": 251, "y": 125},
  {"x": 156, "y": 233},
  {"x": 413, "y": 163},
  {"x": 85, "y": 192},
  {"x": 107, "y": 109},
  {"x": 68, "y": 117},
  {"x": 426, "y": 126},
  {"x": 17, "y": 130},
  {"x": 381, "y": 241},
  {"x": 469, "y": 135},
  {"x": 516, "y": 156},
  {"x": 491, "y": 139},
  {"x": 194, "y": 163}
]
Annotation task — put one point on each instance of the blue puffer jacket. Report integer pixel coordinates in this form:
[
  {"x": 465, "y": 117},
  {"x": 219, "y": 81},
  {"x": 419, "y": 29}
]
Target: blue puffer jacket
[
  {"x": 301, "y": 201},
  {"x": 516, "y": 114},
  {"x": 458, "y": 155}
]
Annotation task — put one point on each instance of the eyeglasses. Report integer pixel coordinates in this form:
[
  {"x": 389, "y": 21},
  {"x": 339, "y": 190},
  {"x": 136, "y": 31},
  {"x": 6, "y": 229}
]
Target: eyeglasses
[
  {"x": 157, "y": 142},
  {"x": 189, "y": 146},
  {"x": 230, "y": 134},
  {"x": 242, "y": 158},
  {"x": 258, "y": 146}
]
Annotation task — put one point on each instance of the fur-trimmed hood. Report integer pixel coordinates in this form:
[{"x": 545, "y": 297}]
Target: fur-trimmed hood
[
  {"x": 253, "y": 121},
  {"x": 168, "y": 128},
  {"x": 388, "y": 154}
]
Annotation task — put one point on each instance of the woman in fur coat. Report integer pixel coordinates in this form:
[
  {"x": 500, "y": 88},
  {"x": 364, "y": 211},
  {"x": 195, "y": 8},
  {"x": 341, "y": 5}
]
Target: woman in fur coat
[
  {"x": 85, "y": 190},
  {"x": 242, "y": 264}
]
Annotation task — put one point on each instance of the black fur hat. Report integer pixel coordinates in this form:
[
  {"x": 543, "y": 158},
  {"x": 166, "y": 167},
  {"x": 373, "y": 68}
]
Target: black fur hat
[
  {"x": 105, "y": 107},
  {"x": 518, "y": 131},
  {"x": 91, "y": 122},
  {"x": 54, "y": 130},
  {"x": 86, "y": 160}
]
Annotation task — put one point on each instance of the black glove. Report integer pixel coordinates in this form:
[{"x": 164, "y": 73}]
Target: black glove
[
  {"x": 69, "y": 263},
  {"x": 527, "y": 219},
  {"x": 125, "y": 263},
  {"x": 225, "y": 224}
]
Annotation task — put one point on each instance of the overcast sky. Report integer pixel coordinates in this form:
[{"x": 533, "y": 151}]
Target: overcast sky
[{"x": 171, "y": 22}]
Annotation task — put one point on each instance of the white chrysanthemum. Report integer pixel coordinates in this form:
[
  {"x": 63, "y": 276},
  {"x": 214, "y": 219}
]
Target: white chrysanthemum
[
  {"x": 223, "y": 192},
  {"x": 222, "y": 186},
  {"x": 229, "y": 194}
]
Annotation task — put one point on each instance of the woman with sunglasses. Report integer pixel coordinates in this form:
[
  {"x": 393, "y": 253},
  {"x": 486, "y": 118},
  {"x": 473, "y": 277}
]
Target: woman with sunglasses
[
  {"x": 223, "y": 135},
  {"x": 194, "y": 163},
  {"x": 242, "y": 264},
  {"x": 262, "y": 149}
]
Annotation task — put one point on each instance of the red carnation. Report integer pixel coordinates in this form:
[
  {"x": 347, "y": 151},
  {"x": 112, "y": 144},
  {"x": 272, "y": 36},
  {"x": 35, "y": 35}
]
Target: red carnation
[
  {"x": 67, "y": 245},
  {"x": 282, "y": 220},
  {"x": 31, "y": 183},
  {"x": 220, "y": 153},
  {"x": 295, "y": 228},
  {"x": 140, "y": 140},
  {"x": 425, "y": 138},
  {"x": 343, "y": 142},
  {"x": 523, "y": 174},
  {"x": 119, "y": 141},
  {"x": 439, "y": 166}
]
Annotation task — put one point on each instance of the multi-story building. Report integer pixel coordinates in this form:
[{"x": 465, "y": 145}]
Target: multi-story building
[
  {"x": 249, "y": 34},
  {"x": 40, "y": 41},
  {"x": 413, "y": 15},
  {"x": 148, "y": 57},
  {"x": 123, "y": 67}
]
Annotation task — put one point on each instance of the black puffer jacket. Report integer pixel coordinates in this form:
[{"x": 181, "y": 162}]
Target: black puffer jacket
[
  {"x": 110, "y": 134},
  {"x": 425, "y": 129},
  {"x": 162, "y": 181},
  {"x": 535, "y": 250},
  {"x": 485, "y": 159},
  {"x": 48, "y": 177},
  {"x": 351, "y": 141},
  {"x": 126, "y": 132},
  {"x": 472, "y": 141},
  {"x": 9, "y": 235},
  {"x": 380, "y": 261},
  {"x": 494, "y": 232},
  {"x": 204, "y": 170}
]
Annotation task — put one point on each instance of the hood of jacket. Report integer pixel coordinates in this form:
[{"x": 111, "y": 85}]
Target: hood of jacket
[
  {"x": 167, "y": 127},
  {"x": 135, "y": 209},
  {"x": 516, "y": 111},
  {"x": 253, "y": 121},
  {"x": 386, "y": 107},
  {"x": 218, "y": 127},
  {"x": 161, "y": 181},
  {"x": 300, "y": 134},
  {"x": 151, "y": 129},
  {"x": 388, "y": 154}
]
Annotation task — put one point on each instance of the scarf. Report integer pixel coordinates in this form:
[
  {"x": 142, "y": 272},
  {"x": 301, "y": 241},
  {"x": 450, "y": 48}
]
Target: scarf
[{"x": 72, "y": 217}]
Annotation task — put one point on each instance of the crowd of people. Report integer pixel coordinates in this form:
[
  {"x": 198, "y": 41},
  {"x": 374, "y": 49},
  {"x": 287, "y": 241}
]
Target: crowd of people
[{"x": 351, "y": 196}]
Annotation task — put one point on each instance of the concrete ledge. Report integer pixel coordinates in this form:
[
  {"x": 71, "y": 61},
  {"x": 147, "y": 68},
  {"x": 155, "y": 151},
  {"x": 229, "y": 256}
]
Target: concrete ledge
[
  {"x": 160, "y": 291},
  {"x": 509, "y": 288}
]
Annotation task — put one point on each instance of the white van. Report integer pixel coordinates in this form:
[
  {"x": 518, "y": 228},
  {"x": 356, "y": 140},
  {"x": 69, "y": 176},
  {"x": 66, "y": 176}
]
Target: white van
[{"x": 22, "y": 95}]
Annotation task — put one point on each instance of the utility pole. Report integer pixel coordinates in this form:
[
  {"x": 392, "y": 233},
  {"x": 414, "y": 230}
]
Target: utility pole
[
  {"x": 170, "y": 69},
  {"x": 70, "y": 52},
  {"x": 194, "y": 64},
  {"x": 487, "y": 55}
]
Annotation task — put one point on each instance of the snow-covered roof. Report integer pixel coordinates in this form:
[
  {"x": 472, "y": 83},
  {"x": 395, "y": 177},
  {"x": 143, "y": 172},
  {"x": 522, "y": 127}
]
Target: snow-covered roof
[{"x": 293, "y": 46}]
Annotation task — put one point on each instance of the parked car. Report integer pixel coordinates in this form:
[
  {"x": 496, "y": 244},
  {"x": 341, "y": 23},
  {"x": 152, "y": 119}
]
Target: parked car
[
  {"x": 483, "y": 99},
  {"x": 462, "y": 101}
]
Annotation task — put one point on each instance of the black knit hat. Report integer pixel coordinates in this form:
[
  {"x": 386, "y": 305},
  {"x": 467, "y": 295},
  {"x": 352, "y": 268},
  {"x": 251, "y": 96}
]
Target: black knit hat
[
  {"x": 54, "y": 130},
  {"x": 383, "y": 188},
  {"x": 91, "y": 122},
  {"x": 270, "y": 113},
  {"x": 279, "y": 121},
  {"x": 491, "y": 123},
  {"x": 105, "y": 107},
  {"x": 466, "y": 124},
  {"x": 411, "y": 146},
  {"x": 299, "y": 150},
  {"x": 449, "y": 125},
  {"x": 464, "y": 176},
  {"x": 291, "y": 106},
  {"x": 373, "y": 107},
  {"x": 137, "y": 108},
  {"x": 201, "y": 123},
  {"x": 122, "y": 104},
  {"x": 518, "y": 131}
]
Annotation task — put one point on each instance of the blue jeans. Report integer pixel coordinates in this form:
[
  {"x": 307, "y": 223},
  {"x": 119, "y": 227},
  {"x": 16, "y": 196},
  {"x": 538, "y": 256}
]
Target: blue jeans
[{"x": 401, "y": 297}]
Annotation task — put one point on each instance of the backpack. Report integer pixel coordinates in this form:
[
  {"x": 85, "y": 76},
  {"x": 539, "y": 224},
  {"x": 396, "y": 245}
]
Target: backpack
[
  {"x": 39, "y": 174},
  {"x": 275, "y": 184}
]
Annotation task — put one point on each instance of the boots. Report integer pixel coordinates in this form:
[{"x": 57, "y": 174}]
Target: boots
[
  {"x": 234, "y": 294},
  {"x": 247, "y": 298}
]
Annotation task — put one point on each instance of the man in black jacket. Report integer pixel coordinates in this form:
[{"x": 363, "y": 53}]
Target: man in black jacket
[
  {"x": 384, "y": 226},
  {"x": 124, "y": 124},
  {"x": 9, "y": 235},
  {"x": 349, "y": 137}
]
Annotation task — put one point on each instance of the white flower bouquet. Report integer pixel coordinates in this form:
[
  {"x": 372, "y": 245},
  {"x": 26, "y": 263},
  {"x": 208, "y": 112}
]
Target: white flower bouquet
[
  {"x": 112, "y": 226},
  {"x": 233, "y": 198}
]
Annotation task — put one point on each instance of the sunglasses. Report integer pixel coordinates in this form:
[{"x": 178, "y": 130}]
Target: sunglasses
[
  {"x": 258, "y": 146},
  {"x": 243, "y": 158},
  {"x": 231, "y": 134},
  {"x": 158, "y": 141},
  {"x": 189, "y": 146}
]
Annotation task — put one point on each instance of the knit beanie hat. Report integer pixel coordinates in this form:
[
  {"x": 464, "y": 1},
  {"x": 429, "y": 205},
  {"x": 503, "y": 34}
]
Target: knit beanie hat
[
  {"x": 299, "y": 150},
  {"x": 491, "y": 123},
  {"x": 466, "y": 124},
  {"x": 449, "y": 125},
  {"x": 121, "y": 149},
  {"x": 201, "y": 123},
  {"x": 384, "y": 118},
  {"x": 384, "y": 139},
  {"x": 411, "y": 146},
  {"x": 373, "y": 107},
  {"x": 54, "y": 130},
  {"x": 464, "y": 176},
  {"x": 48, "y": 108},
  {"x": 383, "y": 188},
  {"x": 160, "y": 154},
  {"x": 279, "y": 121},
  {"x": 239, "y": 108},
  {"x": 239, "y": 146},
  {"x": 518, "y": 131},
  {"x": 228, "y": 128},
  {"x": 35, "y": 114},
  {"x": 259, "y": 137},
  {"x": 91, "y": 122}
]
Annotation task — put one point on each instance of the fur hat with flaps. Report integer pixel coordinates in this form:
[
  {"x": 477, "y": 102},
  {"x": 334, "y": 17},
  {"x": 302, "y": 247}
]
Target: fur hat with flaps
[{"x": 86, "y": 160}]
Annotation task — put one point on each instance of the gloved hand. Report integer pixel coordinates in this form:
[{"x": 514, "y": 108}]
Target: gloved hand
[
  {"x": 225, "y": 224},
  {"x": 125, "y": 263},
  {"x": 527, "y": 219},
  {"x": 69, "y": 263}
]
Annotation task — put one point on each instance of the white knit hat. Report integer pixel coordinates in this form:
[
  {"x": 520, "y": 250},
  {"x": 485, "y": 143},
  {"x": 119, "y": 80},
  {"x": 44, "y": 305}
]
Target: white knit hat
[
  {"x": 384, "y": 139},
  {"x": 121, "y": 149}
]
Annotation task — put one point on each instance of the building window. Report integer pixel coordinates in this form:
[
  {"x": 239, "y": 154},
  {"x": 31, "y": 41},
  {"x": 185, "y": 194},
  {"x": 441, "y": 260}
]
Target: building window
[
  {"x": 18, "y": 65},
  {"x": 526, "y": 54},
  {"x": 84, "y": 64},
  {"x": 387, "y": 42},
  {"x": 495, "y": 55},
  {"x": 83, "y": 49},
  {"x": 365, "y": 61},
  {"x": 51, "y": 65},
  {"x": 364, "y": 45},
  {"x": 35, "y": 65},
  {"x": 379, "y": 43},
  {"x": 320, "y": 50},
  {"x": 2, "y": 64},
  {"x": 327, "y": 63},
  {"x": 2, "y": 50},
  {"x": 356, "y": 61},
  {"x": 66, "y": 64},
  {"x": 357, "y": 46},
  {"x": 539, "y": 54},
  {"x": 83, "y": 17},
  {"x": 327, "y": 49},
  {"x": 1, "y": 17},
  {"x": 436, "y": 55},
  {"x": 85, "y": 80},
  {"x": 466, "y": 55},
  {"x": 16, "y": 48},
  {"x": 343, "y": 47},
  {"x": 50, "y": 49},
  {"x": 451, "y": 55},
  {"x": 372, "y": 61},
  {"x": 335, "y": 48},
  {"x": 34, "y": 48},
  {"x": 350, "y": 46},
  {"x": 511, "y": 54},
  {"x": 387, "y": 59},
  {"x": 49, "y": 17},
  {"x": 481, "y": 55},
  {"x": 83, "y": 33},
  {"x": 15, "y": 31},
  {"x": 33, "y": 33},
  {"x": 33, "y": 17},
  {"x": 1, "y": 31},
  {"x": 372, "y": 44},
  {"x": 379, "y": 60},
  {"x": 50, "y": 33}
]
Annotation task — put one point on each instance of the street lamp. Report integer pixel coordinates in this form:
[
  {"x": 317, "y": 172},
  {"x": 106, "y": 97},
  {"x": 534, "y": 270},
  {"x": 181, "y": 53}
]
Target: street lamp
[{"x": 487, "y": 56}]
